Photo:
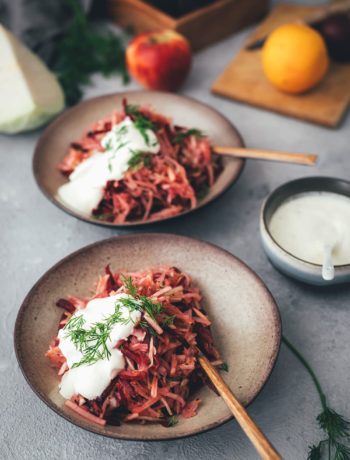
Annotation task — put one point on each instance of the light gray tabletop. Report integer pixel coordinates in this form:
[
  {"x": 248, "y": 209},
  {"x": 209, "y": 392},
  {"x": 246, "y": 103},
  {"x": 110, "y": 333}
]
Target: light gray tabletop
[{"x": 35, "y": 235}]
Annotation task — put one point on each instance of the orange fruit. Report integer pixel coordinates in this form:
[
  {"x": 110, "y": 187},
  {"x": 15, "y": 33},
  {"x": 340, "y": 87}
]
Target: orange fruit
[{"x": 294, "y": 58}]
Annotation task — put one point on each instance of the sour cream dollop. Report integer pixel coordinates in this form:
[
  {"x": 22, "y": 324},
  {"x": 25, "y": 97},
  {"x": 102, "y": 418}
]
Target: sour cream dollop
[
  {"x": 306, "y": 223},
  {"x": 84, "y": 190},
  {"x": 91, "y": 380}
]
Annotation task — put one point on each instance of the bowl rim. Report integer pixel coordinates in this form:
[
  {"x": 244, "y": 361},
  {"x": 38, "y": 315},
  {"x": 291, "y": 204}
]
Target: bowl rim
[
  {"x": 277, "y": 323},
  {"x": 285, "y": 186},
  {"x": 51, "y": 126}
]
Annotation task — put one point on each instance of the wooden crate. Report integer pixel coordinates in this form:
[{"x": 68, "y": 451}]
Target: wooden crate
[{"x": 201, "y": 27}]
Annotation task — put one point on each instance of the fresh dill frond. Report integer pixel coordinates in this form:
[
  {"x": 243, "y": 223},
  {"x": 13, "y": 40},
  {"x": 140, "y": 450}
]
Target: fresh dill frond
[
  {"x": 75, "y": 322},
  {"x": 141, "y": 122},
  {"x": 92, "y": 343},
  {"x": 153, "y": 309},
  {"x": 336, "y": 429},
  {"x": 132, "y": 109},
  {"x": 81, "y": 52},
  {"x": 315, "y": 452},
  {"x": 127, "y": 281},
  {"x": 169, "y": 321},
  {"x": 172, "y": 421},
  {"x": 223, "y": 367},
  {"x": 179, "y": 138},
  {"x": 103, "y": 216},
  {"x": 139, "y": 159},
  {"x": 120, "y": 146}
]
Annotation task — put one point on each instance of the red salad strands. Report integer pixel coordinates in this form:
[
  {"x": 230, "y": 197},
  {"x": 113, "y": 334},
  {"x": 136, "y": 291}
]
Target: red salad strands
[
  {"x": 161, "y": 366},
  {"x": 171, "y": 183}
]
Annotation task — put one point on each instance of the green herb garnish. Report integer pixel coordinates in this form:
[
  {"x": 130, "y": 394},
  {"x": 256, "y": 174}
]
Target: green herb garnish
[
  {"x": 334, "y": 426},
  {"x": 92, "y": 343},
  {"x": 168, "y": 322},
  {"x": 139, "y": 159},
  {"x": 153, "y": 309},
  {"x": 103, "y": 216},
  {"x": 179, "y": 138},
  {"x": 223, "y": 367},
  {"x": 147, "y": 304},
  {"x": 172, "y": 421},
  {"x": 131, "y": 109},
  {"x": 141, "y": 122},
  {"x": 82, "y": 52},
  {"x": 123, "y": 144}
]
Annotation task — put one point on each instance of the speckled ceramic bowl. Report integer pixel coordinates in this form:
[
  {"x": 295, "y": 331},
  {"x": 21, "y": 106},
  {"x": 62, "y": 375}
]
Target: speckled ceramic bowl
[
  {"x": 282, "y": 259},
  {"x": 54, "y": 142},
  {"x": 245, "y": 322}
]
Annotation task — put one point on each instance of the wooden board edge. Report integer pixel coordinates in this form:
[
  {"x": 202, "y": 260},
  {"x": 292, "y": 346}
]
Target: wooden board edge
[{"x": 306, "y": 117}]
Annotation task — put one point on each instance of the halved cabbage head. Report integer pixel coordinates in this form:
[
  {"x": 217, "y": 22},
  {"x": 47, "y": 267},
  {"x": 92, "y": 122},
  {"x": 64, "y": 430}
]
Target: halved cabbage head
[{"x": 29, "y": 93}]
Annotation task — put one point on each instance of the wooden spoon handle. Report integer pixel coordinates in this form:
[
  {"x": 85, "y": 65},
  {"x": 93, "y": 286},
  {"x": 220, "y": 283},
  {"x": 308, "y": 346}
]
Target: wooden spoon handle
[
  {"x": 258, "y": 439},
  {"x": 240, "y": 152}
]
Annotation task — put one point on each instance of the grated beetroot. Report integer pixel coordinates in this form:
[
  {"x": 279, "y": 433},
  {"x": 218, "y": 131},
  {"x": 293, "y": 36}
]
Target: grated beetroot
[
  {"x": 161, "y": 370},
  {"x": 172, "y": 182}
]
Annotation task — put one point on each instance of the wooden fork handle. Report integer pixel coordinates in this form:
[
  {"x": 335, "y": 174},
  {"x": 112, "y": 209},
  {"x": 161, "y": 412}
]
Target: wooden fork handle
[
  {"x": 240, "y": 152},
  {"x": 258, "y": 439}
]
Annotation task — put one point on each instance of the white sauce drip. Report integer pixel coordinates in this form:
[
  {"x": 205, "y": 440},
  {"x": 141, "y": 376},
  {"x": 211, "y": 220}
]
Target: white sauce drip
[
  {"x": 91, "y": 380},
  {"x": 305, "y": 224},
  {"x": 84, "y": 190}
]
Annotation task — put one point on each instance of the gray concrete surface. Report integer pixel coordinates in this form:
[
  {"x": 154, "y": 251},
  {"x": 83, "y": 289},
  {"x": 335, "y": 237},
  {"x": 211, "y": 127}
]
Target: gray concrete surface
[{"x": 35, "y": 234}]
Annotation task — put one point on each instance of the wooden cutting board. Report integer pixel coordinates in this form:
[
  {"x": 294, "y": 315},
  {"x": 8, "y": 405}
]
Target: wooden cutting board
[{"x": 244, "y": 81}]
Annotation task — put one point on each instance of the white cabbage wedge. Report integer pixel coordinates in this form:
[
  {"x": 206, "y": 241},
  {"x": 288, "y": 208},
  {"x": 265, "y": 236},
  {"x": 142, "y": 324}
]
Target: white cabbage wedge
[{"x": 29, "y": 93}]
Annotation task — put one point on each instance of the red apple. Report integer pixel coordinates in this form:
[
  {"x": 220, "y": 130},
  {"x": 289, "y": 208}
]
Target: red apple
[{"x": 159, "y": 60}]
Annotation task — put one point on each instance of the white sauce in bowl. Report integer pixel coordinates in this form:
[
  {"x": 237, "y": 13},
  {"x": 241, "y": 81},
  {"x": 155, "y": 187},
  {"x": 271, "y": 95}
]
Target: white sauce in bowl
[
  {"x": 90, "y": 380},
  {"x": 86, "y": 183},
  {"x": 304, "y": 224}
]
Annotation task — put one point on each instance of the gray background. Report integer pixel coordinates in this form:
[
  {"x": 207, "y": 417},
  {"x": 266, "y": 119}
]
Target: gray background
[{"x": 35, "y": 235}]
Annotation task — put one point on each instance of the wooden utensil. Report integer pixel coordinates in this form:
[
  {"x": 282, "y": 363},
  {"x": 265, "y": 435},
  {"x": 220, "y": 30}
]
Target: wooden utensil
[
  {"x": 273, "y": 155},
  {"x": 257, "y": 438}
]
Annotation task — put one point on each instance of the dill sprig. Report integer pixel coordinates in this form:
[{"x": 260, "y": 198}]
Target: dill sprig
[
  {"x": 334, "y": 426},
  {"x": 179, "y": 138},
  {"x": 142, "y": 123},
  {"x": 82, "y": 52},
  {"x": 92, "y": 343},
  {"x": 169, "y": 321},
  {"x": 223, "y": 367},
  {"x": 172, "y": 421},
  {"x": 109, "y": 145},
  {"x": 139, "y": 159},
  {"x": 147, "y": 304},
  {"x": 112, "y": 157},
  {"x": 103, "y": 216},
  {"x": 154, "y": 309}
]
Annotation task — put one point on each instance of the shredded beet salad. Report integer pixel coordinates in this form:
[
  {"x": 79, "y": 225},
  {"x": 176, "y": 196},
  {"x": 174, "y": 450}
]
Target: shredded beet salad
[
  {"x": 164, "y": 184},
  {"x": 161, "y": 371}
]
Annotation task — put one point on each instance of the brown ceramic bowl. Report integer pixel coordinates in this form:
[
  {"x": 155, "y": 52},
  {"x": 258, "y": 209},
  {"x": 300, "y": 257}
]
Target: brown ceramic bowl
[
  {"x": 245, "y": 321},
  {"x": 54, "y": 143}
]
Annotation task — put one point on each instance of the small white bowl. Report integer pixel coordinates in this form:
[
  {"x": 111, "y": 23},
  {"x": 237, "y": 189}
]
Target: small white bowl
[{"x": 283, "y": 260}]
